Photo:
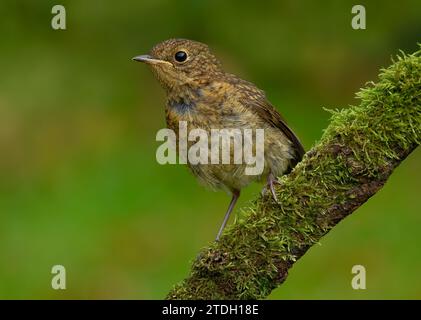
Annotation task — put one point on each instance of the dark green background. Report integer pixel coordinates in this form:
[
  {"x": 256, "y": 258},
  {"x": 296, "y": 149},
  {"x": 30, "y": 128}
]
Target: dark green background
[{"x": 79, "y": 183}]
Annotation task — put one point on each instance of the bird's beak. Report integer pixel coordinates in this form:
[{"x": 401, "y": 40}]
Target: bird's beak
[{"x": 149, "y": 60}]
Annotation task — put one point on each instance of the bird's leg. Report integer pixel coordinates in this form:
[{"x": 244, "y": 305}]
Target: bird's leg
[
  {"x": 235, "y": 196},
  {"x": 271, "y": 181}
]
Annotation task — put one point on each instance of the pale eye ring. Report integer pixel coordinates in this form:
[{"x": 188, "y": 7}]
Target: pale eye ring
[{"x": 180, "y": 56}]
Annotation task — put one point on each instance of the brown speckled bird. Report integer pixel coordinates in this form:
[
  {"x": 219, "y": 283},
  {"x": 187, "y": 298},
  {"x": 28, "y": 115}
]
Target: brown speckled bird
[{"x": 202, "y": 94}]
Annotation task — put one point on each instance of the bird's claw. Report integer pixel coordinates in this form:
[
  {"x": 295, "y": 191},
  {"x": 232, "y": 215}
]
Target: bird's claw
[{"x": 270, "y": 186}]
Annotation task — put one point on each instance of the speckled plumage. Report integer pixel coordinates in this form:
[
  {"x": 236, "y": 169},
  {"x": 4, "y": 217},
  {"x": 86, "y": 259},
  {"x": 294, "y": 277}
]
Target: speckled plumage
[{"x": 202, "y": 94}]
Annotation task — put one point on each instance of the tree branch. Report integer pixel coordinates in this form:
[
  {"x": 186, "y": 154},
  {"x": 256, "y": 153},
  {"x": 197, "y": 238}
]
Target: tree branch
[{"x": 354, "y": 158}]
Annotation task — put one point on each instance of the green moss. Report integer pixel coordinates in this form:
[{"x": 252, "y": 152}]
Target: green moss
[{"x": 353, "y": 159}]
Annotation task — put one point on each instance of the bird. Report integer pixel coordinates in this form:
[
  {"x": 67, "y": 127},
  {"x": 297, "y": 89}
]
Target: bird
[{"x": 199, "y": 92}]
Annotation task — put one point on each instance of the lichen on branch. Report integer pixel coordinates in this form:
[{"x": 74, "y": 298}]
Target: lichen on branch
[{"x": 355, "y": 156}]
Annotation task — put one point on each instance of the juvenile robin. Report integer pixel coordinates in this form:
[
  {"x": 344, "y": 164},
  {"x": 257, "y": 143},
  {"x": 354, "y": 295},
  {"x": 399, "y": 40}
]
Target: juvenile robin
[{"x": 201, "y": 94}]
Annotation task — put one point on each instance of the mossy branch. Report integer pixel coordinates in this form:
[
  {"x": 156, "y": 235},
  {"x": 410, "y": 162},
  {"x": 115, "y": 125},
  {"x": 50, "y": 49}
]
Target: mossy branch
[{"x": 354, "y": 158}]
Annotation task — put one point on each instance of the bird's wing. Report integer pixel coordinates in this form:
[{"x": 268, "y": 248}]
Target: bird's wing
[{"x": 256, "y": 101}]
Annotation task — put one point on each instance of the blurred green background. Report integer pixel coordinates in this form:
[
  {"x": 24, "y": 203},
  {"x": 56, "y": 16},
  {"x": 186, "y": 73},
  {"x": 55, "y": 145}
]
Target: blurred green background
[{"x": 79, "y": 183}]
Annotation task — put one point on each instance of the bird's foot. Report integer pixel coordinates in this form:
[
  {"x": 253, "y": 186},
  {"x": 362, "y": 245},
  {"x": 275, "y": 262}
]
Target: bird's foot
[
  {"x": 235, "y": 196},
  {"x": 271, "y": 181}
]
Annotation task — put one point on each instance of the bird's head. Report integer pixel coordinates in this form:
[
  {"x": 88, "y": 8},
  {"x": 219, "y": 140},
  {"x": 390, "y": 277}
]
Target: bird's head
[{"x": 180, "y": 63}]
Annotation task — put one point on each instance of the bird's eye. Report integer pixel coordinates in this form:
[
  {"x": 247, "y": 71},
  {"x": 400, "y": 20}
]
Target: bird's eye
[{"x": 180, "y": 56}]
